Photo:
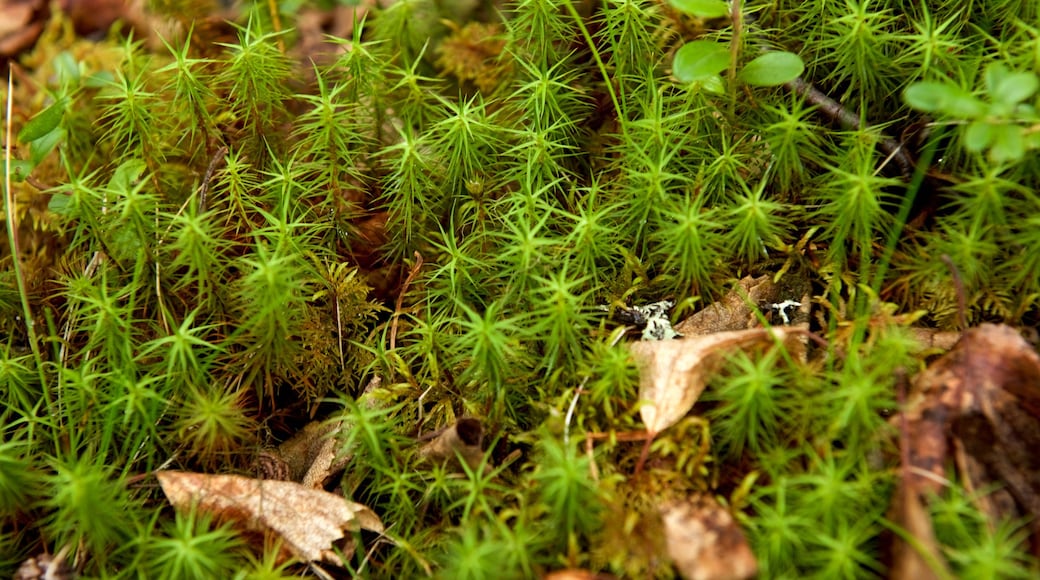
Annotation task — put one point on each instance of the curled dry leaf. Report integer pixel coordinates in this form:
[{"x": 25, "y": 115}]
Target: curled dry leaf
[
  {"x": 309, "y": 457},
  {"x": 673, "y": 373},
  {"x": 785, "y": 302},
  {"x": 705, "y": 542},
  {"x": 576, "y": 574},
  {"x": 314, "y": 455},
  {"x": 978, "y": 407},
  {"x": 47, "y": 567},
  {"x": 21, "y": 23},
  {"x": 464, "y": 438},
  {"x": 306, "y": 520},
  {"x": 983, "y": 395}
]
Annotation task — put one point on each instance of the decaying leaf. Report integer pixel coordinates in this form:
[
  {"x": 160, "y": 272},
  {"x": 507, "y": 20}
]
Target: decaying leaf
[
  {"x": 977, "y": 407},
  {"x": 46, "y": 567},
  {"x": 673, "y": 373},
  {"x": 308, "y": 458},
  {"x": 313, "y": 456},
  {"x": 923, "y": 560},
  {"x": 21, "y": 22},
  {"x": 576, "y": 574},
  {"x": 705, "y": 542},
  {"x": 306, "y": 520},
  {"x": 464, "y": 438},
  {"x": 732, "y": 311},
  {"x": 987, "y": 387}
]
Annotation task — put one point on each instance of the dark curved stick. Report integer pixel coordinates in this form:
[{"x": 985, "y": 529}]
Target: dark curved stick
[{"x": 834, "y": 111}]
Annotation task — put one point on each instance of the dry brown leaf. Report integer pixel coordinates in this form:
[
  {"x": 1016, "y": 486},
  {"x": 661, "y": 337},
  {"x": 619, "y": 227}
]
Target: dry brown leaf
[
  {"x": 673, "y": 373},
  {"x": 46, "y": 567},
  {"x": 307, "y": 521},
  {"x": 576, "y": 574},
  {"x": 923, "y": 560},
  {"x": 979, "y": 407},
  {"x": 733, "y": 311},
  {"x": 705, "y": 542},
  {"x": 738, "y": 309},
  {"x": 21, "y": 22},
  {"x": 986, "y": 394},
  {"x": 314, "y": 455},
  {"x": 464, "y": 437},
  {"x": 309, "y": 457}
]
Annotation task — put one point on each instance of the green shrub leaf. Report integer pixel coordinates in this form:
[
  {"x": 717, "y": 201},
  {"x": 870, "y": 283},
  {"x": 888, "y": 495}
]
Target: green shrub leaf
[
  {"x": 41, "y": 146},
  {"x": 43, "y": 122},
  {"x": 772, "y": 69},
  {"x": 1015, "y": 88},
  {"x": 60, "y": 204},
  {"x": 702, "y": 8},
  {"x": 1008, "y": 143},
  {"x": 978, "y": 136},
  {"x": 934, "y": 97},
  {"x": 700, "y": 59},
  {"x": 20, "y": 169}
]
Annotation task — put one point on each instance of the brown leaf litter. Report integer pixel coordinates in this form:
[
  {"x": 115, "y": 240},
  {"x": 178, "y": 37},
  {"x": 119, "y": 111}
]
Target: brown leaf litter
[
  {"x": 978, "y": 407},
  {"x": 307, "y": 521},
  {"x": 704, "y": 542}
]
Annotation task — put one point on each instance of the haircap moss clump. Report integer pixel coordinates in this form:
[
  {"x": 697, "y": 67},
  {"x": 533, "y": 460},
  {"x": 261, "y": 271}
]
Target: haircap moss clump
[{"x": 218, "y": 235}]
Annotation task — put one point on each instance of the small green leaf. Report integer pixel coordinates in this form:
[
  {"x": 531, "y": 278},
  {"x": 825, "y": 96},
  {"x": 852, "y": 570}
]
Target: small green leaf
[
  {"x": 772, "y": 69},
  {"x": 934, "y": 97},
  {"x": 1032, "y": 140},
  {"x": 60, "y": 204},
  {"x": 1008, "y": 143},
  {"x": 43, "y": 122},
  {"x": 713, "y": 84},
  {"x": 40, "y": 147},
  {"x": 702, "y": 8},
  {"x": 125, "y": 244},
  {"x": 978, "y": 136},
  {"x": 99, "y": 80},
  {"x": 20, "y": 169},
  {"x": 1015, "y": 88},
  {"x": 925, "y": 96},
  {"x": 699, "y": 59},
  {"x": 67, "y": 68},
  {"x": 995, "y": 73},
  {"x": 128, "y": 172}
]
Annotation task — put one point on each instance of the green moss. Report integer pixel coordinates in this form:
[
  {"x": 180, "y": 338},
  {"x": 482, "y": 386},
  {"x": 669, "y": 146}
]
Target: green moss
[{"x": 232, "y": 241}]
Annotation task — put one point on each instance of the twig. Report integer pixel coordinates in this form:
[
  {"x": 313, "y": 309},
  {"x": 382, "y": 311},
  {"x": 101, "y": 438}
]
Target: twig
[
  {"x": 579, "y": 391},
  {"x": 16, "y": 249},
  {"x": 837, "y": 113},
  {"x": 400, "y": 299},
  {"x": 214, "y": 162},
  {"x": 737, "y": 16},
  {"x": 958, "y": 286}
]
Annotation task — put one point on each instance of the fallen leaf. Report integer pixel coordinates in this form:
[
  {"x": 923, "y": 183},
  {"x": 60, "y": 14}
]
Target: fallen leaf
[
  {"x": 464, "y": 437},
  {"x": 705, "y": 542},
  {"x": 750, "y": 298},
  {"x": 313, "y": 456},
  {"x": 988, "y": 388},
  {"x": 673, "y": 373},
  {"x": 977, "y": 407},
  {"x": 576, "y": 574},
  {"x": 306, "y": 520},
  {"x": 309, "y": 457},
  {"x": 734, "y": 311},
  {"x": 923, "y": 559},
  {"x": 46, "y": 567},
  {"x": 21, "y": 22}
]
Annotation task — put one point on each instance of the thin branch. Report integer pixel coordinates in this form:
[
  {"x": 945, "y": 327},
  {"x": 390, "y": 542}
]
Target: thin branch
[
  {"x": 16, "y": 250},
  {"x": 837, "y": 113},
  {"x": 400, "y": 299}
]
